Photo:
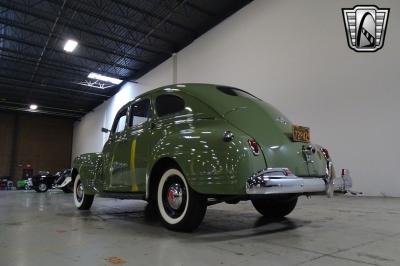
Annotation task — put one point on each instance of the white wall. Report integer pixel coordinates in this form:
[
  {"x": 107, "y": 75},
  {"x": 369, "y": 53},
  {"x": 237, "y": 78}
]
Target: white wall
[{"x": 294, "y": 54}]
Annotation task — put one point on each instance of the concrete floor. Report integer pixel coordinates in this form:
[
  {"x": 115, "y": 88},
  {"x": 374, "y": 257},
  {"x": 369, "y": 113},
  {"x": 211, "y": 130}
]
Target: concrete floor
[{"x": 46, "y": 229}]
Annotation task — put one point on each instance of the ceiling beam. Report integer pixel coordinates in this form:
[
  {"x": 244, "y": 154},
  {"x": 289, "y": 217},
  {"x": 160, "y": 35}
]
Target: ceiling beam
[
  {"x": 49, "y": 66},
  {"x": 50, "y": 35},
  {"x": 32, "y": 85},
  {"x": 88, "y": 45},
  {"x": 84, "y": 70},
  {"x": 139, "y": 10},
  {"x": 69, "y": 115},
  {"x": 21, "y": 66},
  {"x": 34, "y": 12},
  {"x": 105, "y": 17},
  {"x": 43, "y": 100},
  {"x": 62, "y": 53},
  {"x": 49, "y": 107}
]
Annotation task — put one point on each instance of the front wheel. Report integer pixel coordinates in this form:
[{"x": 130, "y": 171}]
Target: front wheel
[
  {"x": 82, "y": 201},
  {"x": 180, "y": 207},
  {"x": 275, "y": 208}
]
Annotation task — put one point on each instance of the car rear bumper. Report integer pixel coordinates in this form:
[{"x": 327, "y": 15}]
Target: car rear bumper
[{"x": 274, "y": 181}]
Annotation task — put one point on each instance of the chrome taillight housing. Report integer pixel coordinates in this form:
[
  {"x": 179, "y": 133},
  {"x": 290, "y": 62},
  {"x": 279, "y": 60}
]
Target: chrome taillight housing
[{"x": 255, "y": 148}]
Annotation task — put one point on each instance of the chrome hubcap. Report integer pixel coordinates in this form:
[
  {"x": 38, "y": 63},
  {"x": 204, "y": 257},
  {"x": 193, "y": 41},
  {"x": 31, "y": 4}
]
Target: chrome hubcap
[
  {"x": 42, "y": 187},
  {"x": 79, "y": 191},
  {"x": 174, "y": 196}
]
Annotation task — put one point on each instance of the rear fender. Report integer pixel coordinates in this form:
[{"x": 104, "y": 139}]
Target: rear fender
[{"x": 210, "y": 164}]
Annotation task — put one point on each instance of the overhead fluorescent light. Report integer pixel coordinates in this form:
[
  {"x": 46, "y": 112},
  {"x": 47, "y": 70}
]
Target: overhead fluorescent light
[
  {"x": 97, "y": 76},
  {"x": 33, "y": 107},
  {"x": 70, "y": 46}
]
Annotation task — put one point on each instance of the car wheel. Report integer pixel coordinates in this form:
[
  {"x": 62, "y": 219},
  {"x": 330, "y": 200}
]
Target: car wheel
[
  {"x": 42, "y": 187},
  {"x": 82, "y": 200},
  {"x": 275, "y": 208},
  {"x": 180, "y": 207}
]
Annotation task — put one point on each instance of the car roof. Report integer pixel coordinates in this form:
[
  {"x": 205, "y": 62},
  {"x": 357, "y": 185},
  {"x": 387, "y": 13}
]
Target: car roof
[
  {"x": 181, "y": 87},
  {"x": 204, "y": 92},
  {"x": 185, "y": 88}
]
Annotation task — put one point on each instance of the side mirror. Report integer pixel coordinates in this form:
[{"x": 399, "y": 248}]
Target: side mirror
[{"x": 105, "y": 130}]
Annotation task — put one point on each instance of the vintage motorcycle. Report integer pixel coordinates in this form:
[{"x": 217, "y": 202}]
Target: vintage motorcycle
[
  {"x": 45, "y": 181},
  {"x": 64, "y": 181}
]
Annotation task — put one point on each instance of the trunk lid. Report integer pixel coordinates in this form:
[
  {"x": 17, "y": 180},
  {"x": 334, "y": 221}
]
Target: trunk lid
[
  {"x": 267, "y": 125},
  {"x": 273, "y": 132}
]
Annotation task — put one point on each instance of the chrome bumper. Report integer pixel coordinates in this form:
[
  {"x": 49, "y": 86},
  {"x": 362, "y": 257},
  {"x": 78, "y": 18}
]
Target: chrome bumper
[{"x": 282, "y": 181}]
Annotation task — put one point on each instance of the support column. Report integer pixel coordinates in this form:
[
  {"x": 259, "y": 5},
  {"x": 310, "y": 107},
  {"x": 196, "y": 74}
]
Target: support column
[
  {"x": 174, "y": 68},
  {"x": 14, "y": 148}
]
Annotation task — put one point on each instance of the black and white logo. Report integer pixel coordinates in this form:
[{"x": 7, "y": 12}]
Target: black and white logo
[{"x": 365, "y": 27}]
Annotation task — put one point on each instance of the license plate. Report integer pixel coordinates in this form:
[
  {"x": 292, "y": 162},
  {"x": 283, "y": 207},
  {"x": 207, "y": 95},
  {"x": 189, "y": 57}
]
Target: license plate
[{"x": 301, "y": 134}]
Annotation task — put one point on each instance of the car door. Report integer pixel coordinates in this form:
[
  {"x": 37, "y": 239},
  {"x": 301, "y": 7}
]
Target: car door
[
  {"x": 129, "y": 149},
  {"x": 114, "y": 167},
  {"x": 139, "y": 137}
]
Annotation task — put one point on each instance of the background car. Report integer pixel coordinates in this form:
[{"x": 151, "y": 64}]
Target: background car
[
  {"x": 43, "y": 181},
  {"x": 23, "y": 184}
]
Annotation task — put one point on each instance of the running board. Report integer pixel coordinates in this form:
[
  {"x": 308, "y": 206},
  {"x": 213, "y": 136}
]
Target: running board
[{"x": 123, "y": 195}]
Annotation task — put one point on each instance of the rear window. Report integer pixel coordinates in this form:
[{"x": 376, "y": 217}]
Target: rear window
[
  {"x": 235, "y": 92},
  {"x": 169, "y": 104}
]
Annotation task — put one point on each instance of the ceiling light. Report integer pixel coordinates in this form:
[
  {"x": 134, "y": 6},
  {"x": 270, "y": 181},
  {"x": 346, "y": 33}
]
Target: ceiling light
[
  {"x": 33, "y": 107},
  {"x": 70, "y": 46},
  {"x": 104, "y": 78}
]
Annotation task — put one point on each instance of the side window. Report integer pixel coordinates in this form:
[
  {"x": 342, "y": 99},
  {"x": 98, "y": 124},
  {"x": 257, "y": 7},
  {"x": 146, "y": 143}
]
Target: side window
[
  {"x": 140, "y": 112},
  {"x": 169, "y": 104},
  {"x": 119, "y": 122}
]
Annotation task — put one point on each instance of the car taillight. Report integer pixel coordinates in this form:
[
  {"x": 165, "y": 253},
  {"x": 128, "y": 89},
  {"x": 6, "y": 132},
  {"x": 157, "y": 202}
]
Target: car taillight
[
  {"x": 325, "y": 153},
  {"x": 287, "y": 172},
  {"x": 254, "y": 146}
]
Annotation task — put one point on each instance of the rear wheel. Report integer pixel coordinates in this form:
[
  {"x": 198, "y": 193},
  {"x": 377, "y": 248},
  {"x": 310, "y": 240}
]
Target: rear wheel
[
  {"x": 275, "y": 208},
  {"x": 41, "y": 188},
  {"x": 180, "y": 207},
  {"x": 82, "y": 200}
]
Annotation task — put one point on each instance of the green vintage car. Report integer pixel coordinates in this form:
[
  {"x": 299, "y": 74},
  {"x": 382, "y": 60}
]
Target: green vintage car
[
  {"x": 184, "y": 147},
  {"x": 23, "y": 184}
]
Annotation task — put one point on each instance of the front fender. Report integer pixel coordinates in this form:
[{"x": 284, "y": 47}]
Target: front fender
[
  {"x": 90, "y": 168},
  {"x": 210, "y": 164}
]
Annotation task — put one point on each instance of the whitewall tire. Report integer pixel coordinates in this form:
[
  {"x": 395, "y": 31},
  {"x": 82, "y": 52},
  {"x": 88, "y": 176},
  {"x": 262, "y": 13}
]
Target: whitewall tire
[
  {"x": 180, "y": 207},
  {"x": 81, "y": 200}
]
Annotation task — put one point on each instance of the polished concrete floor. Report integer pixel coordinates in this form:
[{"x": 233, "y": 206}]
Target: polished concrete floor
[{"x": 46, "y": 229}]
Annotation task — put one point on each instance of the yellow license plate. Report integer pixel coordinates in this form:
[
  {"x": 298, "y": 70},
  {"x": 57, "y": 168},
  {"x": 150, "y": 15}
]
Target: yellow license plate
[{"x": 301, "y": 134}]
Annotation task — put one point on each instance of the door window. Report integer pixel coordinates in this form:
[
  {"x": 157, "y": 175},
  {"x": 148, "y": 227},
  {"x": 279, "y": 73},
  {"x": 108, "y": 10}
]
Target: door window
[
  {"x": 119, "y": 122},
  {"x": 169, "y": 104},
  {"x": 140, "y": 112}
]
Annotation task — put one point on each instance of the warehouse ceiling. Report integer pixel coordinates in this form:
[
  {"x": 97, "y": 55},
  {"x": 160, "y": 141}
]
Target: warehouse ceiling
[{"x": 122, "y": 39}]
